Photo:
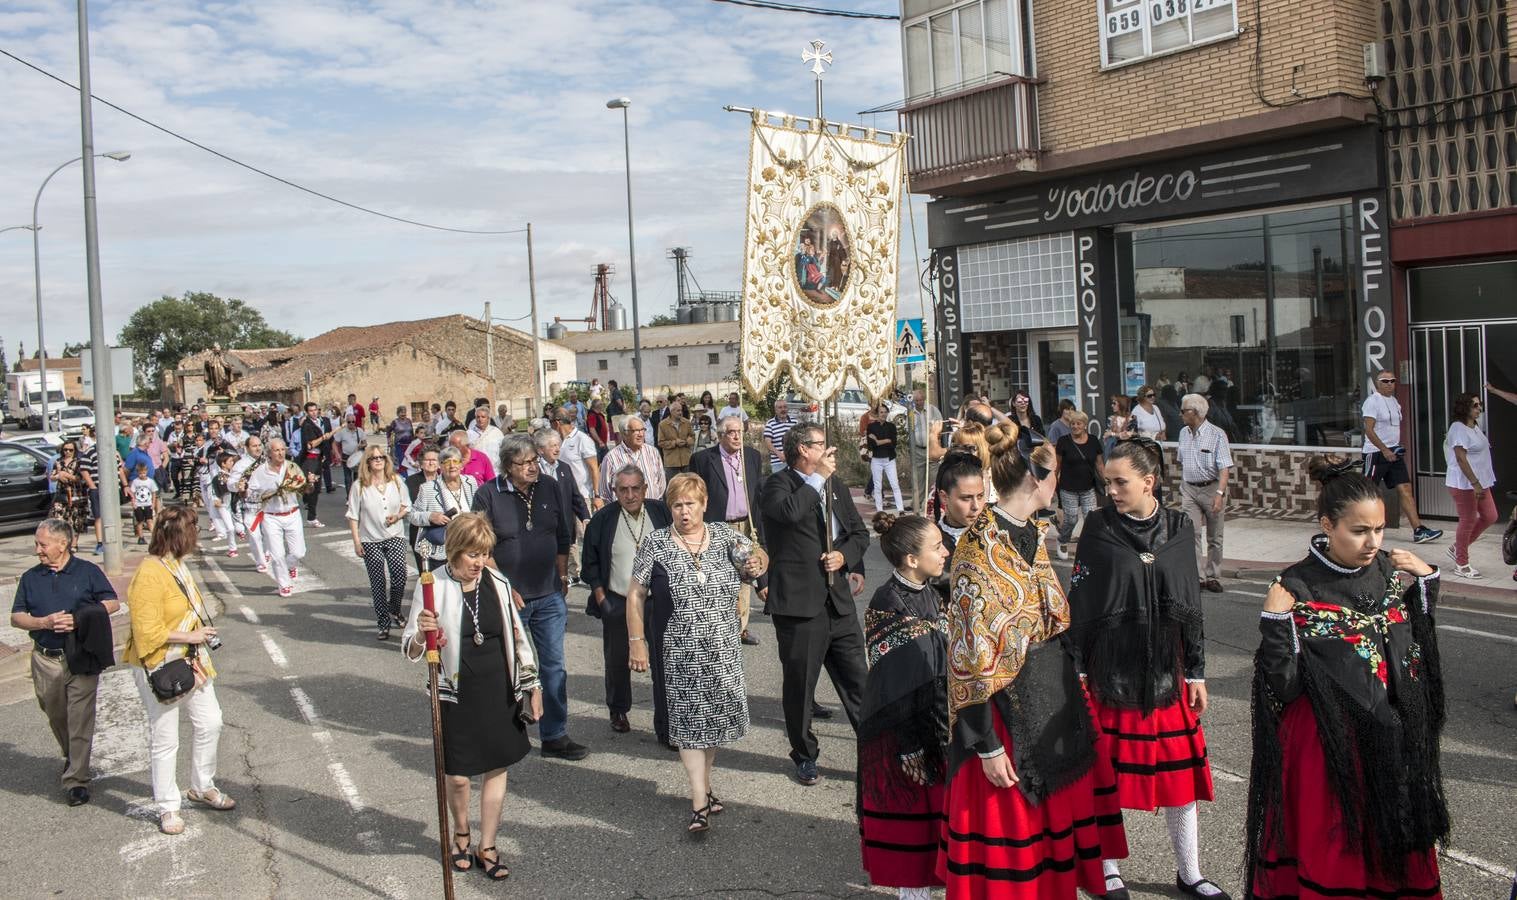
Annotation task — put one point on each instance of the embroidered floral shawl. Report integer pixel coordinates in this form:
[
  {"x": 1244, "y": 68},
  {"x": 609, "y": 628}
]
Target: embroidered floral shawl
[{"x": 998, "y": 607}]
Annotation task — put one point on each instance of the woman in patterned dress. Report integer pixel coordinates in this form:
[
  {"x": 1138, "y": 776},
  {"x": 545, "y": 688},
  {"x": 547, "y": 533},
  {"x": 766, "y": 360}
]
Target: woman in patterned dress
[
  {"x": 71, "y": 490},
  {"x": 695, "y": 568}
]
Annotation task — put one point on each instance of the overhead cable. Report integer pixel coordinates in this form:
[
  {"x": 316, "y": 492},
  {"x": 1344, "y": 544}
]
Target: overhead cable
[
  {"x": 810, "y": 10},
  {"x": 252, "y": 168}
]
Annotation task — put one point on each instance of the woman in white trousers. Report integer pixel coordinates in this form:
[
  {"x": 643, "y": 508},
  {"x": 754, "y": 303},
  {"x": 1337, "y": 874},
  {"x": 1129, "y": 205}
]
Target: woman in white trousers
[{"x": 170, "y": 622}]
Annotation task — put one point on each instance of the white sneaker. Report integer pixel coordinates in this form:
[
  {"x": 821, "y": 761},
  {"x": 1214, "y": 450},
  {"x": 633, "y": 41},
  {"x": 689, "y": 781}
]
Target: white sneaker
[
  {"x": 1062, "y": 553},
  {"x": 1467, "y": 571},
  {"x": 1449, "y": 552}
]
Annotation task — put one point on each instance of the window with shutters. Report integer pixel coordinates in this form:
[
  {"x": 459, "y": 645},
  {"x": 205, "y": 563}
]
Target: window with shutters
[{"x": 1133, "y": 30}]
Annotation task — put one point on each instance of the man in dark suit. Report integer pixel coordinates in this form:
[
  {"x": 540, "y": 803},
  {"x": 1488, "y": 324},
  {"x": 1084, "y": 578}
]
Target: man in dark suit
[
  {"x": 815, "y": 622},
  {"x": 732, "y": 494},
  {"x": 414, "y": 482},
  {"x": 612, "y": 539}
]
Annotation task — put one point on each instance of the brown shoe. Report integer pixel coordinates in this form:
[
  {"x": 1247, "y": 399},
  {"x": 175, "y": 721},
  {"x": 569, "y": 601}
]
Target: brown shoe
[
  {"x": 619, "y": 723},
  {"x": 1213, "y": 585}
]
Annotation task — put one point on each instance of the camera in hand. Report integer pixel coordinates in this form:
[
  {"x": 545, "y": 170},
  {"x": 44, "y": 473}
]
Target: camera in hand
[
  {"x": 945, "y": 434},
  {"x": 213, "y": 642}
]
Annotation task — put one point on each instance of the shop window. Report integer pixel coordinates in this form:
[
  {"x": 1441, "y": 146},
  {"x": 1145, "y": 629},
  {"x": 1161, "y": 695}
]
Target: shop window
[
  {"x": 1023, "y": 283},
  {"x": 1257, "y": 313},
  {"x": 1138, "y": 29},
  {"x": 957, "y": 44}
]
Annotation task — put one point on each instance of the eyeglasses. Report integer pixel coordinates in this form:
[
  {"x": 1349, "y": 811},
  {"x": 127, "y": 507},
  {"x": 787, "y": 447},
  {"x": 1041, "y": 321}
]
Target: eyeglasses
[
  {"x": 813, "y": 443},
  {"x": 522, "y": 463},
  {"x": 1146, "y": 397},
  {"x": 1387, "y": 381}
]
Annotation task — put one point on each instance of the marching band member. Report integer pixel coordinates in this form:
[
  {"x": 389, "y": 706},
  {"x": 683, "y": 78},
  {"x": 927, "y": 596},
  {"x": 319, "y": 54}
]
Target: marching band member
[
  {"x": 246, "y": 507},
  {"x": 278, "y": 486}
]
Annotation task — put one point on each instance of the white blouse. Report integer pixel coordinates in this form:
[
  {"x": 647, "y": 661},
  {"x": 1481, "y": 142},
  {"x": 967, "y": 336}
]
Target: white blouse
[{"x": 370, "y": 505}]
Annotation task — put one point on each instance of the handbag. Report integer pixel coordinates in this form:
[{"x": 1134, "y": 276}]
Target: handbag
[
  {"x": 437, "y": 535},
  {"x": 1509, "y": 543}
]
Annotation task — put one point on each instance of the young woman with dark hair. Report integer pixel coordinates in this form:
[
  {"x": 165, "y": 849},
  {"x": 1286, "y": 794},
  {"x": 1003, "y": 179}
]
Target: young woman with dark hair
[
  {"x": 1470, "y": 480},
  {"x": 1135, "y": 613},
  {"x": 903, "y": 722},
  {"x": 1032, "y": 806},
  {"x": 1346, "y": 797}
]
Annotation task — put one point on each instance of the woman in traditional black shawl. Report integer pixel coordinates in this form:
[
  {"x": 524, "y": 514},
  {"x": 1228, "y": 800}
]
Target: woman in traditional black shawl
[
  {"x": 1346, "y": 797},
  {"x": 1135, "y": 618},
  {"x": 1031, "y": 803},
  {"x": 903, "y": 723}
]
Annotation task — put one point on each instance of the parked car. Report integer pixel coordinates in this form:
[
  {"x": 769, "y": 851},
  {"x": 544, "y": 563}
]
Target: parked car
[
  {"x": 46, "y": 443},
  {"x": 851, "y": 406},
  {"x": 24, "y": 495},
  {"x": 70, "y": 420}
]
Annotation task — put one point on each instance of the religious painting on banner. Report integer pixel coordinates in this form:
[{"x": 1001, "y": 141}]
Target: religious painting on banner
[{"x": 819, "y": 280}]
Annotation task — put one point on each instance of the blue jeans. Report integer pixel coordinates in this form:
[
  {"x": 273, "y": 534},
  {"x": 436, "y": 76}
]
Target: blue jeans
[{"x": 546, "y": 617}]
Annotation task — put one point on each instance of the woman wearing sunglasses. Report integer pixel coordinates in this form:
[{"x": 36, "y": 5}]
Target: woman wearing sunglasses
[{"x": 376, "y": 514}]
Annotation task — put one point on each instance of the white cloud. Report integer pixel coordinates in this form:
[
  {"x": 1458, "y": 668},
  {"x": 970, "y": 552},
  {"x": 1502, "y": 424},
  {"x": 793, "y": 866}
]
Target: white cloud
[{"x": 471, "y": 114}]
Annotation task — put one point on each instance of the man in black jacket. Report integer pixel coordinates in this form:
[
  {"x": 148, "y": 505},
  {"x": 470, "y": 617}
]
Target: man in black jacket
[
  {"x": 732, "y": 494},
  {"x": 533, "y": 534},
  {"x": 615, "y": 533},
  {"x": 815, "y": 622}
]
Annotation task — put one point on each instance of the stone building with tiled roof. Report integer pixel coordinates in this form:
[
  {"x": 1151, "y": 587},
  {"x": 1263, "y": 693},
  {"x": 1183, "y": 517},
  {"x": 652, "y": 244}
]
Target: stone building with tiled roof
[
  {"x": 689, "y": 358},
  {"x": 411, "y": 363}
]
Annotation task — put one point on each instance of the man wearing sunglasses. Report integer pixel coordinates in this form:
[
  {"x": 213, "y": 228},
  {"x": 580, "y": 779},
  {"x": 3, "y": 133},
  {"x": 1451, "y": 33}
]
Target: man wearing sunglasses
[{"x": 1384, "y": 455}]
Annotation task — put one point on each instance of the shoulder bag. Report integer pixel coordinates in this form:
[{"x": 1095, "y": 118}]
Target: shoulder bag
[
  {"x": 177, "y": 677},
  {"x": 437, "y": 535}
]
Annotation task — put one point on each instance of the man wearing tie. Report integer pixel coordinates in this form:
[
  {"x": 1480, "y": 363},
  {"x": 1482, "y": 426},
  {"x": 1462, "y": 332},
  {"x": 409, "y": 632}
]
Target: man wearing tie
[
  {"x": 732, "y": 489},
  {"x": 815, "y": 536}
]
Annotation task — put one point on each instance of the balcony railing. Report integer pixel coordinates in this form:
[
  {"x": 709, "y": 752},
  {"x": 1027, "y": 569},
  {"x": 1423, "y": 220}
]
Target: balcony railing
[{"x": 985, "y": 130}]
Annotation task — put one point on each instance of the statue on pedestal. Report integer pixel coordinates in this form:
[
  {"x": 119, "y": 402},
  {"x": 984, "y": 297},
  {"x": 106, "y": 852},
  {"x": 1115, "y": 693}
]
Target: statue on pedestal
[{"x": 218, "y": 383}]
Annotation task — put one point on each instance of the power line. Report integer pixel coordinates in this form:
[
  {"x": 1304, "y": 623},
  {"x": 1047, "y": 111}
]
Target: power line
[
  {"x": 250, "y": 167},
  {"x": 810, "y": 10}
]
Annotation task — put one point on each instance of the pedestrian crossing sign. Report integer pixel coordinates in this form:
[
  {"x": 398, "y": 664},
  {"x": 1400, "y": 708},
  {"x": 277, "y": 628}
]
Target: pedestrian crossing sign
[{"x": 909, "y": 347}]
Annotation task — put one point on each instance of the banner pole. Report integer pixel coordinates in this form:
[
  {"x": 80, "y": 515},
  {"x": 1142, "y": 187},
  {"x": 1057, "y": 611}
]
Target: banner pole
[{"x": 924, "y": 492}]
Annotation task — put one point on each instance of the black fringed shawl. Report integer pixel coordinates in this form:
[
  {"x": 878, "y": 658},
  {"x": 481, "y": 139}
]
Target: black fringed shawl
[
  {"x": 1135, "y": 607},
  {"x": 905, "y": 706},
  {"x": 1361, "y": 645}
]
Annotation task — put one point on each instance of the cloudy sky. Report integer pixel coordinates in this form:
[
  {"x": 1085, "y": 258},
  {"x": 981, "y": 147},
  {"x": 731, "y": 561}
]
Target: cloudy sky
[{"x": 478, "y": 114}]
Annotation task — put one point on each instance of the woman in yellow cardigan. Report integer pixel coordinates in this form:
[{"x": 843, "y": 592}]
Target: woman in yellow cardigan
[{"x": 169, "y": 621}]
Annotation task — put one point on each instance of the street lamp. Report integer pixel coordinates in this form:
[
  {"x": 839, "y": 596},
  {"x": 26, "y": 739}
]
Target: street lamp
[
  {"x": 622, "y": 103},
  {"x": 118, "y": 156},
  {"x": 16, "y": 228}
]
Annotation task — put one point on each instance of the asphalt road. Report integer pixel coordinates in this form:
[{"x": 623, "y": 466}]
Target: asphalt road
[{"x": 327, "y": 749}]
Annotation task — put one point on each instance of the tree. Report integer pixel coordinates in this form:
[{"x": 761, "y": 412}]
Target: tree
[
  {"x": 171, "y": 328},
  {"x": 72, "y": 350},
  {"x": 662, "y": 319}
]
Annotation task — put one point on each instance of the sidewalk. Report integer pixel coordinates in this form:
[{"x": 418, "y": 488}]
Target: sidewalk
[{"x": 1259, "y": 548}]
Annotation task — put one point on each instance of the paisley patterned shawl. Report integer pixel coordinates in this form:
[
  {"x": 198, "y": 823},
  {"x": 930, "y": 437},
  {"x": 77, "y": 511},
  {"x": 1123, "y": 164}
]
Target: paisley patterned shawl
[{"x": 998, "y": 607}]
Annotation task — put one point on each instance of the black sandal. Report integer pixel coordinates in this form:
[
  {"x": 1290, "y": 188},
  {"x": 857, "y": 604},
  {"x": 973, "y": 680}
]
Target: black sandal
[
  {"x": 1118, "y": 892},
  {"x": 1196, "y": 890},
  {"x": 491, "y": 869},
  {"x": 714, "y": 803},
  {"x": 698, "y": 820},
  {"x": 465, "y": 857}
]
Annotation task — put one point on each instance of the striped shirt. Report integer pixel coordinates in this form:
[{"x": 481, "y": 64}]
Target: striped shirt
[
  {"x": 775, "y": 431},
  {"x": 89, "y": 464},
  {"x": 1203, "y": 452}
]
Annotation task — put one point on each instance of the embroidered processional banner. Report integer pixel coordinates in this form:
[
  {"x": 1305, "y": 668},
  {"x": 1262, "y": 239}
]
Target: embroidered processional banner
[{"x": 819, "y": 280}]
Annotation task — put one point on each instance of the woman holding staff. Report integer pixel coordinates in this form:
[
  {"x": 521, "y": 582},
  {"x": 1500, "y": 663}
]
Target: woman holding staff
[{"x": 488, "y": 683}]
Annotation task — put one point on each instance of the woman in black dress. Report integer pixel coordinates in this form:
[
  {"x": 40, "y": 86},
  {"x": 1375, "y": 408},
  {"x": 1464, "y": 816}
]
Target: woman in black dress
[{"x": 488, "y": 682}]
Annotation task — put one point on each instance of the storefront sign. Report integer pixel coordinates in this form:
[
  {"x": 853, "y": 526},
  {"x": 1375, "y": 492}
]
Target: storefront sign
[
  {"x": 1374, "y": 290},
  {"x": 953, "y": 368},
  {"x": 1335, "y": 163},
  {"x": 1094, "y": 279}
]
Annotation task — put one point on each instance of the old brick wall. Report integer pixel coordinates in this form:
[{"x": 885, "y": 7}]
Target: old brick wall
[{"x": 1081, "y": 106}]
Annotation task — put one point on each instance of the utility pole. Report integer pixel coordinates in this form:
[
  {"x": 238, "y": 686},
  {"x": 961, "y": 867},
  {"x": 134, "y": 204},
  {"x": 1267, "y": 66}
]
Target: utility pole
[
  {"x": 490, "y": 354},
  {"x": 537, "y": 348},
  {"x": 100, "y": 360}
]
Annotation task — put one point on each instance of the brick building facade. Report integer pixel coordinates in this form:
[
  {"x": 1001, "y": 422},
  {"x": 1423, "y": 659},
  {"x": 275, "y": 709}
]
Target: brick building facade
[{"x": 1184, "y": 196}]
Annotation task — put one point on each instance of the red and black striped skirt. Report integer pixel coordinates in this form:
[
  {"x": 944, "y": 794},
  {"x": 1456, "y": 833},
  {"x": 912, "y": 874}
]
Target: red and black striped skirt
[
  {"x": 901, "y": 839},
  {"x": 1159, "y": 758},
  {"x": 998, "y": 845},
  {"x": 1313, "y": 863}
]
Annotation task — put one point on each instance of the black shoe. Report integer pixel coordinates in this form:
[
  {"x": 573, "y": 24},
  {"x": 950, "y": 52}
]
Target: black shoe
[
  {"x": 619, "y": 723},
  {"x": 805, "y": 772},
  {"x": 1194, "y": 890},
  {"x": 1117, "y": 892},
  {"x": 563, "y": 748},
  {"x": 818, "y": 711},
  {"x": 78, "y": 796},
  {"x": 1213, "y": 585},
  {"x": 749, "y": 640}
]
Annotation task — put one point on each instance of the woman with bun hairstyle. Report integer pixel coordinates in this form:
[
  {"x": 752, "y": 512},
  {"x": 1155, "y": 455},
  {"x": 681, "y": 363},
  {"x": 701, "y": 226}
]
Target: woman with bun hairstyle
[
  {"x": 1032, "y": 806},
  {"x": 1136, "y": 621},
  {"x": 1346, "y": 798},
  {"x": 903, "y": 723}
]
